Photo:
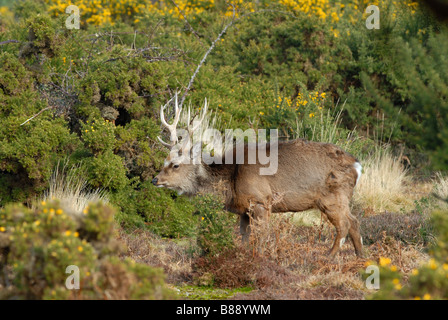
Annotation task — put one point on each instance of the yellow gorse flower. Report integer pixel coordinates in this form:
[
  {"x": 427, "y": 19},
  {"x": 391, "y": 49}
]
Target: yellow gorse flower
[
  {"x": 432, "y": 264},
  {"x": 101, "y": 12},
  {"x": 384, "y": 261}
]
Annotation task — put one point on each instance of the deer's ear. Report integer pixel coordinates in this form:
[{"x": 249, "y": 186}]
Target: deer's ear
[{"x": 196, "y": 151}]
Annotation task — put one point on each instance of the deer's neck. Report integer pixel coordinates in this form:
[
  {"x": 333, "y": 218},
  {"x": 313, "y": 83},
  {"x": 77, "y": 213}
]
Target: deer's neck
[{"x": 216, "y": 179}]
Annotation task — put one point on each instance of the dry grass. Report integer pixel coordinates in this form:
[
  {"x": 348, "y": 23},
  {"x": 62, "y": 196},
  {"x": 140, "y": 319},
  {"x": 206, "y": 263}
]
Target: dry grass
[
  {"x": 441, "y": 189},
  {"x": 410, "y": 228},
  {"x": 146, "y": 247},
  {"x": 67, "y": 185},
  {"x": 289, "y": 262},
  {"x": 382, "y": 184},
  {"x": 283, "y": 261}
]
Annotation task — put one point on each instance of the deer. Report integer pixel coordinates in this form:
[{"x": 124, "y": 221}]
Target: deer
[{"x": 310, "y": 175}]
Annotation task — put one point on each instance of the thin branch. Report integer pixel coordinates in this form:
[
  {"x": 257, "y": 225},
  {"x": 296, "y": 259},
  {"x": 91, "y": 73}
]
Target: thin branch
[
  {"x": 153, "y": 31},
  {"x": 219, "y": 37},
  {"x": 9, "y": 41},
  {"x": 37, "y": 114},
  {"x": 205, "y": 57}
]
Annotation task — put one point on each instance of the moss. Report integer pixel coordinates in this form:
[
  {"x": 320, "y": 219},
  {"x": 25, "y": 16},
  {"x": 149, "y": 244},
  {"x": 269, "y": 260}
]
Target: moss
[{"x": 209, "y": 293}]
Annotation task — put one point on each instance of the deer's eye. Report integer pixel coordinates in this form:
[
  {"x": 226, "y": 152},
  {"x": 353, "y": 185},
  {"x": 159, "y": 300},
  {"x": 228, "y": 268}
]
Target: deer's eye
[{"x": 175, "y": 166}]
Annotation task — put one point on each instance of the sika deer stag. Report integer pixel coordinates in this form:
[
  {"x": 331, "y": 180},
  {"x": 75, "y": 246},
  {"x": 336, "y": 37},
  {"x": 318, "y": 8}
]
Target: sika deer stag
[{"x": 309, "y": 175}]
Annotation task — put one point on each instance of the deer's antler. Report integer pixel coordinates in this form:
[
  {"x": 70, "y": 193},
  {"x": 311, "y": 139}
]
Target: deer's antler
[
  {"x": 171, "y": 127},
  {"x": 192, "y": 128}
]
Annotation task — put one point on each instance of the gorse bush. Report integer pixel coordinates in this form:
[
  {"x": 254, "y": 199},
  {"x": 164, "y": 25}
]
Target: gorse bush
[
  {"x": 27, "y": 150},
  {"x": 93, "y": 95},
  {"x": 159, "y": 210},
  {"x": 216, "y": 226},
  {"x": 36, "y": 247},
  {"x": 98, "y": 136},
  {"x": 429, "y": 281}
]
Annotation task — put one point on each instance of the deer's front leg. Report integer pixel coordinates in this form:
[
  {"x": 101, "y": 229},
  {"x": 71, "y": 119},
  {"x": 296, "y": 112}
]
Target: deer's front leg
[{"x": 245, "y": 227}]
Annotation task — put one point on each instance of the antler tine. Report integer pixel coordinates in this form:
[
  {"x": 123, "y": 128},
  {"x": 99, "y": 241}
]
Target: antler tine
[
  {"x": 164, "y": 143},
  {"x": 176, "y": 109},
  {"x": 191, "y": 130},
  {"x": 189, "y": 115},
  {"x": 171, "y": 127}
]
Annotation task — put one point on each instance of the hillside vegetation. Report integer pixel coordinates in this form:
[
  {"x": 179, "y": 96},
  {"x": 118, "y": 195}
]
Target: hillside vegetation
[{"x": 79, "y": 120}]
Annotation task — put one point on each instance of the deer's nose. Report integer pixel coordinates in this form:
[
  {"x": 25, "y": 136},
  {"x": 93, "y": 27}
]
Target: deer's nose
[{"x": 154, "y": 181}]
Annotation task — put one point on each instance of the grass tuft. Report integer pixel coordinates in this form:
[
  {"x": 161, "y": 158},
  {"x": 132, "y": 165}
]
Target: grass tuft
[
  {"x": 381, "y": 187},
  {"x": 67, "y": 185}
]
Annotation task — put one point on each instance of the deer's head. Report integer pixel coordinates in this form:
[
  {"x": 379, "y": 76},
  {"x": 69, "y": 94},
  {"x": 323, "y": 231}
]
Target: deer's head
[{"x": 181, "y": 169}]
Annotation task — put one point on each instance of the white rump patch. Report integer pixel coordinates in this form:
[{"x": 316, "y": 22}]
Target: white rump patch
[
  {"x": 358, "y": 169},
  {"x": 341, "y": 243}
]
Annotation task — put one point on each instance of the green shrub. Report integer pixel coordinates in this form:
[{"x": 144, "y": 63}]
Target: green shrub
[
  {"x": 28, "y": 151},
  {"x": 160, "y": 210},
  {"x": 42, "y": 37},
  {"x": 36, "y": 247},
  {"x": 429, "y": 281},
  {"x": 216, "y": 227},
  {"x": 136, "y": 143},
  {"x": 98, "y": 136},
  {"x": 106, "y": 170}
]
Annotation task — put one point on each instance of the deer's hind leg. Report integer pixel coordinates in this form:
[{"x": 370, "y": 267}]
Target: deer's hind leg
[
  {"x": 337, "y": 210},
  {"x": 245, "y": 227},
  {"x": 257, "y": 214},
  {"x": 355, "y": 235}
]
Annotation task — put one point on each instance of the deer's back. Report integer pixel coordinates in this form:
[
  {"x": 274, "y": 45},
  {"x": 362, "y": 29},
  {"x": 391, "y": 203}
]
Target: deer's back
[{"x": 307, "y": 171}]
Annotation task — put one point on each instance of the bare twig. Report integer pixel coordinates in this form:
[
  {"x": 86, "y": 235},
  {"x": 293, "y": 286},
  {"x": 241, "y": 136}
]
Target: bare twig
[
  {"x": 9, "y": 41},
  {"x": 233, "y": 21},
  {"x": 90, "y": 54},
  {"x": 153, "y": 31},
  {"x": 205, "y": 57},
  {"x": 44, "y": 109}
]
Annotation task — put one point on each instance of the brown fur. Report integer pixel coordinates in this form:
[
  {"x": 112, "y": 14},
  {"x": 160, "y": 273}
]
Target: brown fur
[{"x": 310, "y": 175}]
